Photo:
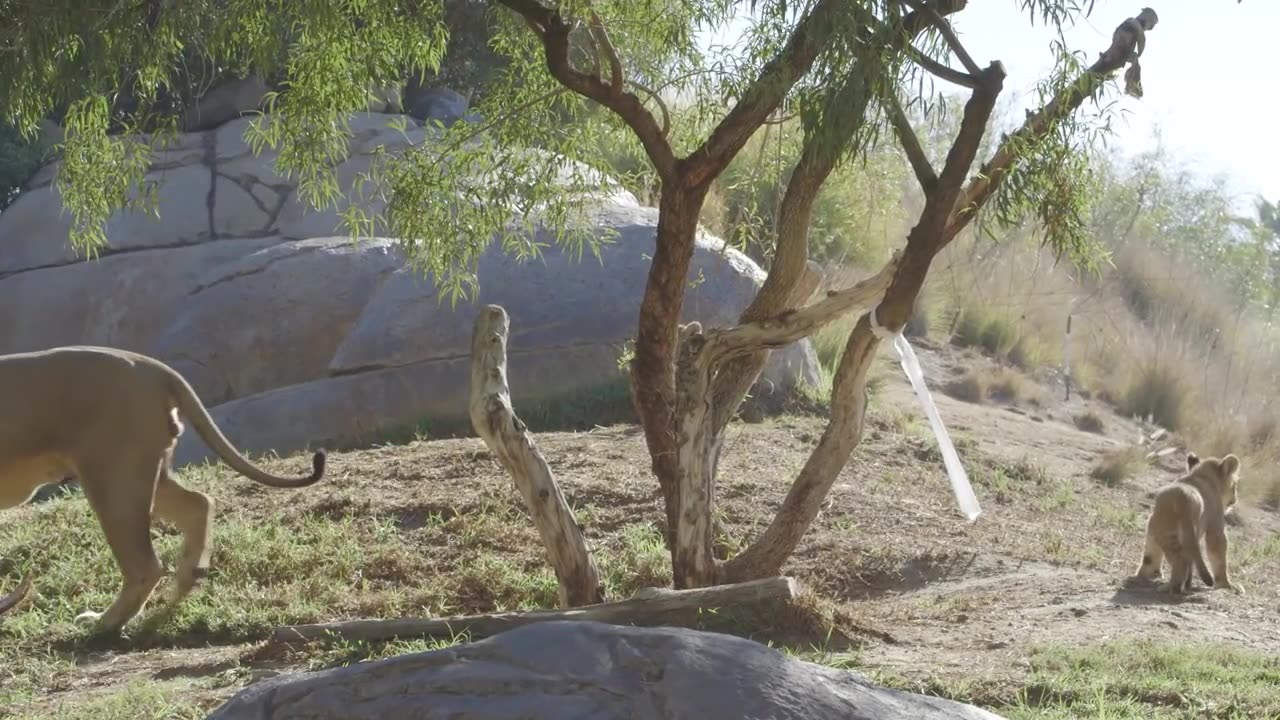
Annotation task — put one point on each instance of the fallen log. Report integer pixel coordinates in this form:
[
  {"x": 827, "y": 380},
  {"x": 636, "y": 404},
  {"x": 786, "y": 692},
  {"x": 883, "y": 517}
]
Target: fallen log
[{"x": 648, "y": 606}]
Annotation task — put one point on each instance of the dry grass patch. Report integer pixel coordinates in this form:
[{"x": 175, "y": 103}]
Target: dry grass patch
[
  {"x": 1116, "y": 466},
  {"x": 1090, "y": 422}
]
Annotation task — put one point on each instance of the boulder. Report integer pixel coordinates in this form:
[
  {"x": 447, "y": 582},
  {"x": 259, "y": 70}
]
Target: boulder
[
  {"x": 227, "y": 101},
  {"x": 302, "y": 336},
  {"x": 439, "y": 104},
  {"x": 567, "y": 670}
]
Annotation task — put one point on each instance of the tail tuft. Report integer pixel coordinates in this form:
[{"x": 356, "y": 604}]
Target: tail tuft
[
  {"x": 317, "y": 467},
  {"x": 1206, "y": 575}
]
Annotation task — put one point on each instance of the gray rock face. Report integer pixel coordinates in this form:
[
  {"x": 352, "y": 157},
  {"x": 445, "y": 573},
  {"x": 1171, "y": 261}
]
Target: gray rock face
[
  {"x": 440, "y": 104},
  {"x": 226, "y": 102},
  {"x": 578, "y": 671},
  {"x": 300, "y": 337}
]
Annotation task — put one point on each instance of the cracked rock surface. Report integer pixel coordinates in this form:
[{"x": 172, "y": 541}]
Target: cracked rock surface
[
  {"x": 570, "y": 670},
  {"x": 296, "y": 337}
]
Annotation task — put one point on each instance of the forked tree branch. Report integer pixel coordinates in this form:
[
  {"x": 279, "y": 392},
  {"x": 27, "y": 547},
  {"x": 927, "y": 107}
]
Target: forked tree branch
[
  {"x": 1037, "y": 125},
  {"x": 765, "y": 94},
  {"x": 601, "y": 37},
  {"x": 948, "y": 34},
  {"x": 817, "y": 160},
  {"x": 920, "y": 165},
  {"x": 554, "y": 31}
]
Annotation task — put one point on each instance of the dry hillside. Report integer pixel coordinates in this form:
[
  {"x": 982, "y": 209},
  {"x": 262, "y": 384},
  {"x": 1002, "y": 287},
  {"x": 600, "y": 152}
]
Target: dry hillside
[{"x": 1003, "y": 612}]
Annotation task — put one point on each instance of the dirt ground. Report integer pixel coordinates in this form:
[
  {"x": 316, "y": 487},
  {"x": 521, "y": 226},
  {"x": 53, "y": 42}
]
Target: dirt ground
[{"x": 917, "y": 591}]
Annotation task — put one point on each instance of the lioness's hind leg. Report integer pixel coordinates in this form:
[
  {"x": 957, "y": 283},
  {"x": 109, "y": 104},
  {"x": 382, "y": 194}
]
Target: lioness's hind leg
[
  {"x": 192, "y": 513},
  {"x": 121, "y": 497},
  {"x": 1215, "y": 540}
]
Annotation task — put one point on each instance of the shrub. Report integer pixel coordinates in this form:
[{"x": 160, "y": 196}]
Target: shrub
[
  {"x": 1090, "y": 422},
  {"x": 1116, "y": 466},
  {"x": 972, "y": 387},
  {"x": 1158, "y": 391}
]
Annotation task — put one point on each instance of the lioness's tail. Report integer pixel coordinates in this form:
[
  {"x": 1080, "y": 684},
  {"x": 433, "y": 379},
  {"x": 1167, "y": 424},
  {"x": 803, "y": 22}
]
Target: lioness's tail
[
  {"x": 1191, "y": 543},
  {"x": 192, "y": 409},
  {"x": 18, "y": 595}
]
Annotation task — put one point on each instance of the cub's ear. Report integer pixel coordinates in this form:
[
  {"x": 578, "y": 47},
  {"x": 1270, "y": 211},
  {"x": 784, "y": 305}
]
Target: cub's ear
[
  {"x": 1230, "y": 464},
  {"x": 1192, "y": 460}
]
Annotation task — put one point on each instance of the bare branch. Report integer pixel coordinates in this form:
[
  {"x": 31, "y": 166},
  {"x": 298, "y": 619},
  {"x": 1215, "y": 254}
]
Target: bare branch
[
  {"x": 601, "y": 37},
  {"x": 910, "y": 143},
  {"x": 984, "y": 184},
  {"x": 657, "y": 99},
  {"x": 942, "y": 71},
  {"x": 948, "y": 34},
  {"x": 765, "y": 94},
  {"x": 553, "y": 30},
  {"x": 794, "y": 325}
]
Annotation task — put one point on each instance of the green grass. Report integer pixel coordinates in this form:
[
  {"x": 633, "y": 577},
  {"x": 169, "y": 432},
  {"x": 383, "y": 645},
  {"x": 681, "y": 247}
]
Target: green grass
[
  {"x": 336, "y": 557},
  {"x": 1145, "y": 679},
  {"x": 1130, "y": 680},
  {"x": 142, "y": 699}
]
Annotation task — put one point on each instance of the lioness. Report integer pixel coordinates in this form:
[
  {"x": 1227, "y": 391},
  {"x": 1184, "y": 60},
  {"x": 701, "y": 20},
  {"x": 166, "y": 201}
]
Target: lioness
[
  {"x": 109, "y": 418},
  {"x": 1190, "y": 508}
]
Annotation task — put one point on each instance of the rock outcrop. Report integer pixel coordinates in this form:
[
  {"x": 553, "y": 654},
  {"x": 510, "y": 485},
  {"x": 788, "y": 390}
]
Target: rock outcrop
[
  {"x": 296, "y": 336},
  {"x": 564, "y": 670}
]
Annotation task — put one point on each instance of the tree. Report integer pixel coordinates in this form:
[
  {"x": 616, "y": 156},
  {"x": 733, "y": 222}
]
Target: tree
[{"x": 580, "y": 72}]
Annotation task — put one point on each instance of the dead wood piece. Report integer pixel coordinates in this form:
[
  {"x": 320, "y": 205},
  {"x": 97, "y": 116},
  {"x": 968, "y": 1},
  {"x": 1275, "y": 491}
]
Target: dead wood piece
[
  {"x": 508, "y": 438},
  {"x": 649, "y": 607}
]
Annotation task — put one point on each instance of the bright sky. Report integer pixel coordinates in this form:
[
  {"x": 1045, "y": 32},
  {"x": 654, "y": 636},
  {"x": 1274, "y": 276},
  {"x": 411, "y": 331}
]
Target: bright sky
[{"x": 1210, "y": 75}]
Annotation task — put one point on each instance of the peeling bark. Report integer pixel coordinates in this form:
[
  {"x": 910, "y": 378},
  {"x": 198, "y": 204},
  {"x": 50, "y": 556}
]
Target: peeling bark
[{"x": 509, "y": 439}]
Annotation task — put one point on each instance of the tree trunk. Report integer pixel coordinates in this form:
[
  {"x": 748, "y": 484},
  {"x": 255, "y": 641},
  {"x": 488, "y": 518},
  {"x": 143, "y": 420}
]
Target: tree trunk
[
  {"x": 692, "y": 560},
  {"x": 509, "y": 439},
  {"x": 652, "y": 367}
]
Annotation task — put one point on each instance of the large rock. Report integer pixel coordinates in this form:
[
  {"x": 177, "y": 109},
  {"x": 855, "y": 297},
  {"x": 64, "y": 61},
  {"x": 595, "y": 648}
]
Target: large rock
[
  {"x": 578, "y": 670},
  {"x": 303, "y": 337},
  {"x": 229, "y": 100}
]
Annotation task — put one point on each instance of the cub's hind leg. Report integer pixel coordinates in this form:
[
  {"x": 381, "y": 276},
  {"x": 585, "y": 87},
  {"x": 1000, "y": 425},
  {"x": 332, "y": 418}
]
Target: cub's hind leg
[
  {"x": 192, "y": 513},
  {"x": 1179, "y": 566},
  {"x": 1152, "y": 556},
  {"x": 121, "y": 494},
  {"x": 1215, "y": 540}
]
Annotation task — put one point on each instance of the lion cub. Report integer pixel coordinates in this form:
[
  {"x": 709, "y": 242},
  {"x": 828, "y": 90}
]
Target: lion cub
[{"x": 1190, "y": 508}]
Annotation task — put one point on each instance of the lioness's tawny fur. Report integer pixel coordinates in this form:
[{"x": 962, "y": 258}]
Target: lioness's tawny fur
[
  {"x": 109, "y": 418},
  {"x": 1190, "y": 508}
]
